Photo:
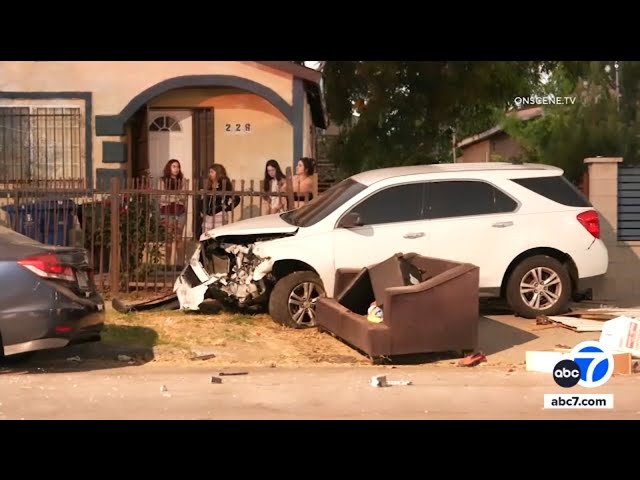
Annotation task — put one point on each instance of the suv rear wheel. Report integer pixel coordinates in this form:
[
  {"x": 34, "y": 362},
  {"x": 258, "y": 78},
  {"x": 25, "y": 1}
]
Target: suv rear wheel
[
  {"x": 293, "y": 299},
  {"x": 539, "y": 285}
]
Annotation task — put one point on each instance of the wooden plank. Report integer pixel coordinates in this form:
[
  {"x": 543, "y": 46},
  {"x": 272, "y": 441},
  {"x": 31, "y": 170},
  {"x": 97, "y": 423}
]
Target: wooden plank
[{"x": 578, "y": 324}]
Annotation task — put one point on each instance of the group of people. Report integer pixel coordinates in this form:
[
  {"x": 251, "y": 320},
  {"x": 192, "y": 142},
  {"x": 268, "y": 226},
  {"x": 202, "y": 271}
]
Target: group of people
[
  {"x": 173, "y": 210},
  {"x": 275, "y": 183}
]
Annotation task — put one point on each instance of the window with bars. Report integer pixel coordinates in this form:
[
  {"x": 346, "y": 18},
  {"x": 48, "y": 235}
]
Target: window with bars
[{"x": 41, "y": 144}]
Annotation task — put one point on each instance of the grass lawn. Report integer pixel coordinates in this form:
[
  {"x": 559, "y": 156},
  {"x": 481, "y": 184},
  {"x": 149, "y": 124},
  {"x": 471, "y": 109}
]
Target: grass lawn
[{"x": 232, "y": 337}]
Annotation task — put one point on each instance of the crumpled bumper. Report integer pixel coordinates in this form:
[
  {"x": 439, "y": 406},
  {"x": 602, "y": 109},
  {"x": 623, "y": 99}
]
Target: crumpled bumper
[{"x": 195, "y": 284}]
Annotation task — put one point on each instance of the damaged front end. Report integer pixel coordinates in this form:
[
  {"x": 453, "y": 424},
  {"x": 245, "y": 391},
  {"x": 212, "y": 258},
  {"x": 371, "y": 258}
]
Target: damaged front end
[{"x": 229, "y": 269}]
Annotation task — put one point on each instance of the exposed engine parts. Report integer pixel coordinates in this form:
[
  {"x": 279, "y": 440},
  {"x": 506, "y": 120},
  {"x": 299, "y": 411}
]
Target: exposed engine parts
[
  {"x": 241, "y": 282},
  {"x": 239, "y": 275}
]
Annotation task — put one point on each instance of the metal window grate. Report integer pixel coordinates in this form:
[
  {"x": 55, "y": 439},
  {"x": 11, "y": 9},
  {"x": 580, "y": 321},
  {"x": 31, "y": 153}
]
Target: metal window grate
[
  {"x": 41, "y": 144},
  {"x": 629, "y": 203}
]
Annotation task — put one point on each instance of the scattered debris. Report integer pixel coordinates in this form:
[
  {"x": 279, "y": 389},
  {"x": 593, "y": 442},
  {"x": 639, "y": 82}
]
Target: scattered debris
[
  {"x": 542, "y": 361},
  {"x": 578, "y": 324},
  {"x": 124, "y": 358},
  {"x": 562, "y": 345},
  {"x": 604, "y": 314},
  {"x": 163, "y": 388},
  {"x": 168, "y": 395},
  {"x": 511, "y": 370},
  {"x": 473, "y": 360},
  {"x": 74, "y": 359},
  {"x": 381, "y": 381},
  {"x": 622, "y": 334},
  {"x": 228, "y": 374},
  {"x": 204, "y": 356},
  {"x": 622, "y": 364},
  {"x": 273, "y": 365},
  {"x": 399, "y": 382},
  {"x": 542, "y": 320},
  {"x": 216, "y": 380}
]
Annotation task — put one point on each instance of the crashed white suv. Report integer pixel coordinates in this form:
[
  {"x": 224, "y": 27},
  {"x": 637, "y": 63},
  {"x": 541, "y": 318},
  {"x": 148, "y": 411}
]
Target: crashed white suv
[{"x": 534, "y": 236}]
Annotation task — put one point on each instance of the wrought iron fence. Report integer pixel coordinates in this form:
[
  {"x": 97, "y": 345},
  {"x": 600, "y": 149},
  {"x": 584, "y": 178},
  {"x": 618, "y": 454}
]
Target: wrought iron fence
[{"x": 138, "y": 234}]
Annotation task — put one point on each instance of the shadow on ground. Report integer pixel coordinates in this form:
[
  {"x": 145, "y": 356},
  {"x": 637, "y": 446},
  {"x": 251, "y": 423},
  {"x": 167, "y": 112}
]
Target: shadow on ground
[
  {"x": 493, "y": 337},
  {"x": 121, "y": 346}
]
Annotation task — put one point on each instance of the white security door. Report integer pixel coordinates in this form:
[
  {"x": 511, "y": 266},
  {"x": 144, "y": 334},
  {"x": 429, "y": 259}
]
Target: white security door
[{"x": 170, "y": 137}]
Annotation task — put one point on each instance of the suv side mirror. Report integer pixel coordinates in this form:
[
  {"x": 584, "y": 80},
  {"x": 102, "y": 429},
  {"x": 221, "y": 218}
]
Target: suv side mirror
[{"x": 351, "y": 220}]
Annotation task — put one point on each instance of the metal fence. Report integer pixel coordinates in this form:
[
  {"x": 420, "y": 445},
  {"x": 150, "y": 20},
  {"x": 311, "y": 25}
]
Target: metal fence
[{"x": 138, "y": 233}]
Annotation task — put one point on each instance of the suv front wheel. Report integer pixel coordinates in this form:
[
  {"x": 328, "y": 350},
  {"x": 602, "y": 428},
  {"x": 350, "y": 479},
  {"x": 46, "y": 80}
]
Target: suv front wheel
[
  {"x": 293, "y": 299},
  {"x": 539, "y": 285}
]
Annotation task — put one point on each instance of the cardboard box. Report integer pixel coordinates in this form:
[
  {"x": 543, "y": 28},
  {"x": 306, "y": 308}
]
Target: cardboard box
[{"x": 622, "y": 334}]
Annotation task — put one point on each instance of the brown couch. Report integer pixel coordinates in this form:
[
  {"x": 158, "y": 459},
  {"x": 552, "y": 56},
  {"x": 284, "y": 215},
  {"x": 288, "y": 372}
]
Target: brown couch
[{"x": 438, "y": 314}]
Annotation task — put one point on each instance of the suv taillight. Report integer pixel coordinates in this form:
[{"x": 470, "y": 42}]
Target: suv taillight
[
  {"x": 48, "y": 266},
  {"x": 591, "y": 221}
]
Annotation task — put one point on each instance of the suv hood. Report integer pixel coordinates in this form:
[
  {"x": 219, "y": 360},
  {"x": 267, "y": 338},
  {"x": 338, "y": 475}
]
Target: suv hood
[{"x": 265, "y": 224}]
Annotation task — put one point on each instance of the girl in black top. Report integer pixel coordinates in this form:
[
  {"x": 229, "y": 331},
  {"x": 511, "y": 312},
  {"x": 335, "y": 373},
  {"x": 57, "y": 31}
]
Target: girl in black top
[{"x": 218, "y": 202}]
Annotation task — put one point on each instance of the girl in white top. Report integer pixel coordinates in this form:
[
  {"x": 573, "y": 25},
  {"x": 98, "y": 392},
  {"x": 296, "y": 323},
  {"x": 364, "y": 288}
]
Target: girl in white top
[{"x": 274, "y": 181}]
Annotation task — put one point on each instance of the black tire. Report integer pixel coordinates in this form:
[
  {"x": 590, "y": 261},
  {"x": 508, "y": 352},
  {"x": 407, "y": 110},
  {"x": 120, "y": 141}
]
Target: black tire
[
  {"x": 280, "y": 308},
  {"x": 527, "y": 271}
]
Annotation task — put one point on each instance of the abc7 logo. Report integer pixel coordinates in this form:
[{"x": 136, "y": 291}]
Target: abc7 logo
[{"x": 588, "y": 365}]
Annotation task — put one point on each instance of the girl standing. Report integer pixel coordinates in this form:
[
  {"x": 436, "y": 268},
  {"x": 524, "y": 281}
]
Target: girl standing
[{"x": 219, "y": 203}]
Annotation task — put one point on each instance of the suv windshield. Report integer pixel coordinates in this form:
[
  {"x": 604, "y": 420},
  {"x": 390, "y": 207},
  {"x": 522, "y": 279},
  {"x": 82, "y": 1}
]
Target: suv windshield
[{"x": 324, "y": 204}]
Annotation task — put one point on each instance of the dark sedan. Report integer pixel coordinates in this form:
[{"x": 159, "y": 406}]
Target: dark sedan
[{"x": 48, "y": 297}]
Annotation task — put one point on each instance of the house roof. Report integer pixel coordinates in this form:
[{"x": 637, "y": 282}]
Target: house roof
[
  {"x": 312, "y": 81},
  {"x": 524, "y": 114}
]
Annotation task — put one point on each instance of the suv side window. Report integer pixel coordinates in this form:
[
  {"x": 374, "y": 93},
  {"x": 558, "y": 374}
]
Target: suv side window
[
  {"x": 400, "y": 203},
  {"x": 556, "y": 188},
  {"x": 462, "y": 198}
]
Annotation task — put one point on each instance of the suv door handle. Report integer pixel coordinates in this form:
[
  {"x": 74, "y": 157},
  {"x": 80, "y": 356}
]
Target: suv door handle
[
  {"x": 414, "y": 235},
  {"x": 502, "y": 224}
]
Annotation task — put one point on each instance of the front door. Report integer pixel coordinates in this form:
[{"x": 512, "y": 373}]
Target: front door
[
  {"x": 171, "y": 137},
  {"x": 392, "y": 222}
]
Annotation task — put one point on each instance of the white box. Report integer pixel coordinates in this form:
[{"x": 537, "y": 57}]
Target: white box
[
  {"x": 542, "y": 360},
  {"x": 621, "y": 334}
]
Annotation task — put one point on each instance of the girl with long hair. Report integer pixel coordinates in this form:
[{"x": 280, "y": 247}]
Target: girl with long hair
[
  {"x": 173, "y": 212},
  {"x": 219, "y": 203},
  {"x": 303, "y": 181},
  {"x": 274, "y": 181}
]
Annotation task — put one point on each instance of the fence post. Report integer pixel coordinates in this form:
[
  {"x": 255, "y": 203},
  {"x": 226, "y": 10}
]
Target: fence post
[
  {"x": 114, "y": 264},
  {"x": 289, "y": 182},
  {"x": 603, "y": 190}
]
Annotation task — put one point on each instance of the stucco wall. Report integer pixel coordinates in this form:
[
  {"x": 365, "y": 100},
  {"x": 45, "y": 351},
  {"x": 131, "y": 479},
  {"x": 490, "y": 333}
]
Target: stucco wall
[
  {"x": 243, "y": 154},
  {"x": 114, "y": 84},
  {"x": 621, "y": 285}
]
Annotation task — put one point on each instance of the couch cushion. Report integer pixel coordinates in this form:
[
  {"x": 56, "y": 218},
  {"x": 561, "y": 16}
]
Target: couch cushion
[{"x": 371, "y": 338}]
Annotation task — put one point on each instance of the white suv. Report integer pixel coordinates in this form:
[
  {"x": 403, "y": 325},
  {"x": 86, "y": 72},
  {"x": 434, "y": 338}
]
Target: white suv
[{"x": 534, "y": 236}]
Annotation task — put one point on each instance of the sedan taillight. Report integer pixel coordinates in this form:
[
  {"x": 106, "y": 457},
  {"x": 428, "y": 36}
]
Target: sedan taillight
[{"x": 48, "y": 266}]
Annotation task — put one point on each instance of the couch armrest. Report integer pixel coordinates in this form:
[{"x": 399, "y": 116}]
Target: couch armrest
[
  {"x": 433, "y": 282},
  {"x": 343, "y": 277}
]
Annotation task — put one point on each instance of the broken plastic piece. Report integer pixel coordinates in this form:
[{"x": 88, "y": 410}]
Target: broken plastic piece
[
  {"x": 379, "y": 381},
  {"x": 473, "y": 360}
]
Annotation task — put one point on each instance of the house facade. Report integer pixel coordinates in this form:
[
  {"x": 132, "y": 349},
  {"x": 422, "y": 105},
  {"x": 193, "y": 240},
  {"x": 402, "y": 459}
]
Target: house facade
[
  {"x": 88, "y": 122},
  {"x": 495, "y": 143}
]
